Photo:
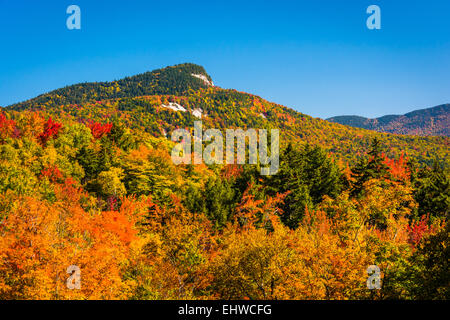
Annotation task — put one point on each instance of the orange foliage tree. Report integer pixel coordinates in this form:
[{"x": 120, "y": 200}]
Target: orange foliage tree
[{"x": 39, "y": 241}]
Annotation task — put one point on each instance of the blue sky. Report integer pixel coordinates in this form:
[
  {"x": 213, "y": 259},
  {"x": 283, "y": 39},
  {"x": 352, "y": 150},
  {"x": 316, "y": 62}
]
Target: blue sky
[{"x": 317, "y": 57}]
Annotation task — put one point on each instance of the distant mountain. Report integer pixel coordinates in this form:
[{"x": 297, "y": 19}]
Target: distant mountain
[
  {"x": 175, "y": 80},
  {"x": 425, "y": 122}
]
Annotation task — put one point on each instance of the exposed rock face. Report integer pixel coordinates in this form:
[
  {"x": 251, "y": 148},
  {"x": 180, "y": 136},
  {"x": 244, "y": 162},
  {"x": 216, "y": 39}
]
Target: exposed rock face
[
  {"x": 204, "y": 78},
  {"x": 174, "y": 107},
  {"x": 197, "y": 112}
]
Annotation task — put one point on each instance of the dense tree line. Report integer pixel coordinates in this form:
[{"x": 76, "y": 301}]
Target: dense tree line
[{"x": 107, "y": 198}]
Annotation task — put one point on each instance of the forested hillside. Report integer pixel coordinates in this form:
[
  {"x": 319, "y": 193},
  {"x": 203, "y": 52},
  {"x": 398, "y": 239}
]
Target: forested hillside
[
  {"x": 175, "y": 80},
  {"x": 139, "y": 103},
  {"x": 86, "y": 179}
]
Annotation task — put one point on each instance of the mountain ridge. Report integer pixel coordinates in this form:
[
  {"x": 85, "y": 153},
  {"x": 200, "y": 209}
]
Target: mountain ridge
[{"x": 434, "y": 121}]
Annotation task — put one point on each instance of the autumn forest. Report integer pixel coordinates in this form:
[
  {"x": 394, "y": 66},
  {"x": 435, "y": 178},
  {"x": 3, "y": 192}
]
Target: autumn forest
[{"x": 87, "y": 180}]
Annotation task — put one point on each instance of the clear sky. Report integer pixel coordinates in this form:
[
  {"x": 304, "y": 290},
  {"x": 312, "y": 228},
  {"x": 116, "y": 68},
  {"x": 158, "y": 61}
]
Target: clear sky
[{"x": 315, "y": 56}]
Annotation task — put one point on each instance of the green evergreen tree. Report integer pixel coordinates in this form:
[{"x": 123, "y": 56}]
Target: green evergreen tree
[
  {"x": 432, "y": 191},
  {"x": 372, "y": 167},
  {"x": 308, "y": 174}
]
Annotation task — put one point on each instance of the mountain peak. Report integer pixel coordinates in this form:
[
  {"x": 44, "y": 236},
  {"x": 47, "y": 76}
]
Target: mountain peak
[
  {"x": 186, "y": 69},
  {"x": 175, "y": 80}
]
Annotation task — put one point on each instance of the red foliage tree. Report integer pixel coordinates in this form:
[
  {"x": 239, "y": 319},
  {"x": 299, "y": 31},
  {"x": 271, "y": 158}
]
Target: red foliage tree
[
  {"x": 417, "y": 230},
  {"x": 99, "y": 130},
  {"x": 398, "y": 168},
  {"x": 7, "y": 127},
  {"x": 52, "y": 173},
  {"x": 51, "y": 129}
]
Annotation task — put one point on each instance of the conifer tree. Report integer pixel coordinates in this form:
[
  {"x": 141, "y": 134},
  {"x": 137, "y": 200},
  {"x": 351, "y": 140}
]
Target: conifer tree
[
  {"x": 372, "y": 167},
  {"x": 432, "y": 191}
]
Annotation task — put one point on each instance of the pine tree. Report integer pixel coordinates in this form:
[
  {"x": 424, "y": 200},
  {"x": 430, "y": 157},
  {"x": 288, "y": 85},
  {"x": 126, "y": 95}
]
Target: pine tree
[
  {"x": 366, "y": 169},
  {"x": 308, "y": 175}
]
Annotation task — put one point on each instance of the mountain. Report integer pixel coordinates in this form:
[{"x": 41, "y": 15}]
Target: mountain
[
  {"x": 433, "y": 121},
  {"x": 163, "y": 100}
]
